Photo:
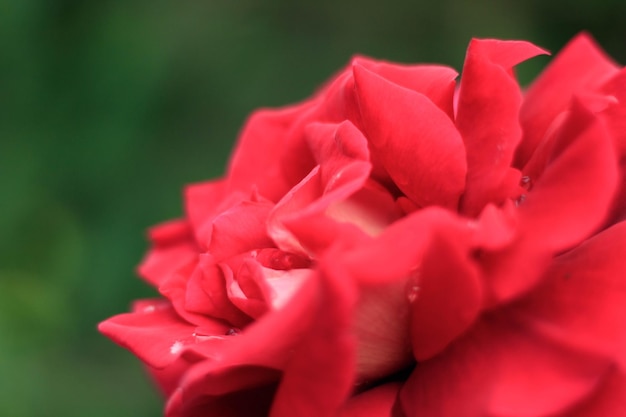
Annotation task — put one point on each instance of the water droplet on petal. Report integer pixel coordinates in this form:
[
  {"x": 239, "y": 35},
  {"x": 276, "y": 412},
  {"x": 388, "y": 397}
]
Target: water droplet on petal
[
  {"x": 232, "y": 332},
  {"x": 526, "y": 182},
  {"x": 334, "y": 180},
  {"x": 412, "y": 287},
  {"x": 413, "y": 293},
  {"x": 149, "y": 309},
  {"x": 203, "y": 337},
  {"x": 520, "y": 200},
  {"x": 282, "y": 261},
  {"x": 176, "y": 347}
]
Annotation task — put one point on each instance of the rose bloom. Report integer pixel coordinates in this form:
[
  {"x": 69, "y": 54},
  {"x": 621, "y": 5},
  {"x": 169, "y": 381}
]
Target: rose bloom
[{"x": 402, "y": 244}]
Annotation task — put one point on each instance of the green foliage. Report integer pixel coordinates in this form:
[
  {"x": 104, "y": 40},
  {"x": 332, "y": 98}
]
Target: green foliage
[{"x": 108, "y": 108}]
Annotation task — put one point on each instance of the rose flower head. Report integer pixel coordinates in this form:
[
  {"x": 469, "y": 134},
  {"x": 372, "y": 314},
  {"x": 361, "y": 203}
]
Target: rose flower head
[{"x": 404, "y": 243}]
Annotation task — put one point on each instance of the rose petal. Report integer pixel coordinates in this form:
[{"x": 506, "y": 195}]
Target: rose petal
[
  {"x": 372, "y": 209},
  {"x": 434, "y": 81},
  {"x": 381, "y": 326},
  {"x": 336, "y": 145},
  {"x": 499, "y": 369},
  {"x": 167, "y": 379},
  {"x": 203, "y": 201},
  {"x": 425, "y": 157},
  {"x": 177, "y": 290},
  {"x": 157, "y": 337},
  {"x": 243, "y": 288},
  {"x": 581, "y": 66},
  {"x": 318, "y": 231},
  {"x": 487, "y": 118},
  {"x": 615, "y": 117},
  {"x": 399, "y": 250},
  {"x": 571, "y": 197},
  {"x": 447, "y": 297},
  {"x": 496, "y": 227},
  {"x": 570, "y": 200},
  {"x": 582, "y": 298},
  {"x": 240, "y": 229},
  {"x": 248, "y": 361},
  {"x": 321, "y": 373},
  {"x": 173, "y": 249},
  {"x": 274, "y": 288},
  {"x": 205, "y": 293},
  {"x": 260, "y": 149},
  {"x": 338, "y": 176}
]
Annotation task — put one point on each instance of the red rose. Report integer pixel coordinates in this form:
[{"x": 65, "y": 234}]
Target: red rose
[{"x": 400, "y": 246}]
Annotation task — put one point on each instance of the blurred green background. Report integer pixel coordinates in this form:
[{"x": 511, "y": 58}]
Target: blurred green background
[{"x": 107, "y": 108}]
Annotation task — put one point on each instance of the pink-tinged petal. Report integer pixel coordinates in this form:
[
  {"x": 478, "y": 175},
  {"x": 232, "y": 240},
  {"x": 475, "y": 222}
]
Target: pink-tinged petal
[
  {"x": 281, "y": 285},
  {"x": 446, "y": 297},
  {"x": 321, "y": 372},
  {"x": 158, "y": 337},
  {"x": 293, "y": 203},
  {"x": 371, "y": 208},
  {"x": 342, "y": 172},
  {"x": 434, "y": 81},
  {"x": 381, "y": 324},
  {"x": 375, "y": 402},
  {"x": 240, "y": 229},
  {"x": 173, "y": 248},
  {"x": 398, "y": 251},
  {"x": 609, "y": 399},
  {"x": 425, "y": 158},
  {"x": 260, "y": 150},
  {"x": 569, "y": 200},
  {"x": 340, "y": 187},
  {"x": 487, "y": 118},
  {"x": 205, "y": 293},
  {"x": 501, "y": 370},
  {"x": 580, "y": 67},
  {"x": 317, "y": 232},
  {"x": 272, "y": 288},
  {"x": 582, "y": 298}
]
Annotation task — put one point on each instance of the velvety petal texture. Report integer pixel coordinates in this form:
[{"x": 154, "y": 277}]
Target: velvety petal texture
[{"x": 405, "y": 243}]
